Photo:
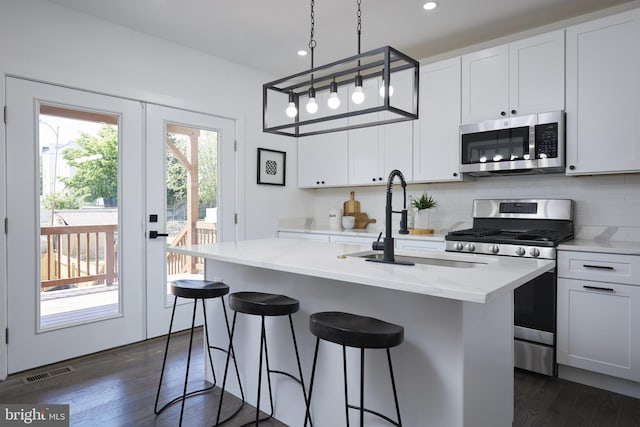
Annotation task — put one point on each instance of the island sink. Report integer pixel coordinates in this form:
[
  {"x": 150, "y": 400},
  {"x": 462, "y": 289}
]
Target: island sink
[{"x": 441, "y": 262}]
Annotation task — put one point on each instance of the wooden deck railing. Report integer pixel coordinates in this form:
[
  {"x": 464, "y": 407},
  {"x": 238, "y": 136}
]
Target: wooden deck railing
[
  {"x": 82, "y": 255},
  {"x": 204, "y": 233},
  {"x": 86, "y": 255}
]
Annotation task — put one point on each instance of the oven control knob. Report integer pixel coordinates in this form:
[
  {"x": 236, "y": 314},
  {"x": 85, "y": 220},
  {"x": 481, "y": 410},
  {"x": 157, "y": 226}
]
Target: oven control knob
[
  {"x": 459, "y": 246},
  {"x": 494, "y": 249},
  {"x": 471, "y": 247},
  {"x": 535, "y": 252},
  {"x": 520, "y": 251}
]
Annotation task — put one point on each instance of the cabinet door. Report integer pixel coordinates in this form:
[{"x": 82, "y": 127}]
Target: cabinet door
[
  {"x": 485, "y": 89},
  {"x": 437, "y": 145},
  {"x": 310, "y": 161},
  {"x": 397, "y": 149},
  {"x": 603, "y": 95},
  {"x": 536, "y": 74},
  {"x": 365, "y": 144},
  {"x": 599, "y": 327},
  {"x": 335, "y": 159}
]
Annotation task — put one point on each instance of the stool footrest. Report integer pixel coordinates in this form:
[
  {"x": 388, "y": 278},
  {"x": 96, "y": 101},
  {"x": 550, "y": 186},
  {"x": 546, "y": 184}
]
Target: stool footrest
[
  {"x": 377, "y": 414},
  {"x": 180, "y": 398}
]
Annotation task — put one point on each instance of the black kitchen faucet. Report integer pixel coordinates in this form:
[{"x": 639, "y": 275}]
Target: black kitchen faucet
[{"x": 387, "y": 245}]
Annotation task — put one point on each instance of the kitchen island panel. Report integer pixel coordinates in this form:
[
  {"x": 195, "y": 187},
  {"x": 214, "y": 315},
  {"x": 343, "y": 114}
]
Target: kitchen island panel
[{"x": 455, "y": 367}]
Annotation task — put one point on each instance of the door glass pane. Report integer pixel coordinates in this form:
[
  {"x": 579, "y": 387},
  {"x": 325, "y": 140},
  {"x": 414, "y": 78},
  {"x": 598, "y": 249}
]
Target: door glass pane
[
  {"x": 78, "y": 216},
  {"x": 191, "y": 202}
]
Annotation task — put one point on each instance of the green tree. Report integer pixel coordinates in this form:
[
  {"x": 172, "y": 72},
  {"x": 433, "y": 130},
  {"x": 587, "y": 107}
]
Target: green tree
[
  {"x": 63, "y": 201},
  {"x": 207, "y": 170},
  {"x": 96, "y": 163}
]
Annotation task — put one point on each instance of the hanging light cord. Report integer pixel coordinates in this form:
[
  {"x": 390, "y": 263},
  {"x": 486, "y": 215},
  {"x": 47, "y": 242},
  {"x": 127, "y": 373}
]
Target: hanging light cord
[
  {"x": 359, "y": 28},
  {"x": 312, "y": 41}
]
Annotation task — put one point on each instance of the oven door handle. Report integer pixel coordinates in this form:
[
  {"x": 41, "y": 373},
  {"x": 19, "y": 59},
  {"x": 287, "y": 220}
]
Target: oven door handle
[
  {"x": 600, "y": 267},
  {"x": 597, "y": 288}
]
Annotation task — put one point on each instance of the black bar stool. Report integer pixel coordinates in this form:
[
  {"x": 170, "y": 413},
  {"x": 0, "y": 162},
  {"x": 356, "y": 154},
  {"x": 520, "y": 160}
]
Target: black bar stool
[
  {"x": 351, "y": 330},
  {"x": 264, "y": 304},
  {"x": 197, "y": 290}
]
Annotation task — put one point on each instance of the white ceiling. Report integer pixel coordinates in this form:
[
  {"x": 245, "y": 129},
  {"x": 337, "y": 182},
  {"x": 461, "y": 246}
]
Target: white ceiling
[{"x": 266, "y": 34}]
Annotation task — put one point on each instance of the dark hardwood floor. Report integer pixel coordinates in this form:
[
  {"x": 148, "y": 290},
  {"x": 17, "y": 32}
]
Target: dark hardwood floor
[{"x": 117, "y": 388}]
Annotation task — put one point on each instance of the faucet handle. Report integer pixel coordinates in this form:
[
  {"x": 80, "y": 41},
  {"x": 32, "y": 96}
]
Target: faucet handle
[
  {"x": 403, "y": 222},
  {"x": 378, "y": 245}
]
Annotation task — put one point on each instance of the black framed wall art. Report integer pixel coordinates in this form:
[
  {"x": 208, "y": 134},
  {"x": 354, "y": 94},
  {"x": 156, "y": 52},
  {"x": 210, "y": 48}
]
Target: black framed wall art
[{"x": 272, "y": 167}]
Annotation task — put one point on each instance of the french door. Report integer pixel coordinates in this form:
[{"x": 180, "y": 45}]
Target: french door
[
  {"x": 190, "y": 200},
  {"x": 75, "y": 241}
]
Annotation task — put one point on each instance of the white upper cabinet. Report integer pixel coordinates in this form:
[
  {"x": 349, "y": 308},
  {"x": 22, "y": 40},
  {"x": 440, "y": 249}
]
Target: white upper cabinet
[
  {"x": 322, "y": 159},
  {"x": 436, "y": 144},
  {"x": 603, "y": 95},
  {"x": 375, "y": 151},
  {"x": 523, "y": 77}
]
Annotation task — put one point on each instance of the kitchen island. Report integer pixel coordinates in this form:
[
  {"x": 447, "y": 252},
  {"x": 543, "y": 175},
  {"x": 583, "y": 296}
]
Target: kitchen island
[{"x": 455, "y": 367}]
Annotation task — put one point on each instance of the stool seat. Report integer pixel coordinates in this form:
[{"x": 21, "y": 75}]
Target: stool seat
[
  {"x": 263, "y": 304},
  {"x": 353, "y": 330},
  {"x": 195, "y": 288}
]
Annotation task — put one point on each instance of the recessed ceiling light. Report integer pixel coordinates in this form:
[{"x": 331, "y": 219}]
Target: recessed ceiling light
[
  {"x": 302, "y": 52},
  {"x": 430, "y": 5}
]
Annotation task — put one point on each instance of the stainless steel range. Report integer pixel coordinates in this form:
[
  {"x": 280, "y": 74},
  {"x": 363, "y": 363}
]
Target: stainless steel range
[{"x": 527, "y": 228}]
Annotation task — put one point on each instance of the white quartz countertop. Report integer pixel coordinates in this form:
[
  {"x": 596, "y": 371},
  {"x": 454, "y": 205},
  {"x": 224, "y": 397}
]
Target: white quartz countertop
[
  {"x": 604, "y": 246},
  {"x": 490, "y": 277},
  {"x": 363, "y": 233}
]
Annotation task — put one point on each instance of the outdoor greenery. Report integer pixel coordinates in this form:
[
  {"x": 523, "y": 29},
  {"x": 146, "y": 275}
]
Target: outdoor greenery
[
  {"x": 96, "y": 163},
  {"x": 207, "y": 171},
  {"x": 62, "y": 201}
]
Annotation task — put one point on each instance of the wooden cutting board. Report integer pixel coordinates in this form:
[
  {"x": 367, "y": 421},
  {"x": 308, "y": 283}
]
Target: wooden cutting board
[
  {"x": 351, "y": 206},
  {"x": 362, "y": 220}
]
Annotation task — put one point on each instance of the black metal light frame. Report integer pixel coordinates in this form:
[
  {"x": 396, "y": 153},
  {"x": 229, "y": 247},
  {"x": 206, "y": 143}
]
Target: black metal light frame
[{"x": 381, "y": 62}]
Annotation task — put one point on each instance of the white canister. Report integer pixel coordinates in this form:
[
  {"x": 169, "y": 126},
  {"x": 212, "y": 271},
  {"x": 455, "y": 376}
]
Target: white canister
[{"x": 335, "y": 219}]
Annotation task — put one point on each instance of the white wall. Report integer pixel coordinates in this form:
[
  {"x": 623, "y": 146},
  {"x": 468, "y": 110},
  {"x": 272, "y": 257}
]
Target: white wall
[
  {"x": 50, "y": 43},
  {"x": 46, "y": 42},
  {"x": 607, "y": 206}
]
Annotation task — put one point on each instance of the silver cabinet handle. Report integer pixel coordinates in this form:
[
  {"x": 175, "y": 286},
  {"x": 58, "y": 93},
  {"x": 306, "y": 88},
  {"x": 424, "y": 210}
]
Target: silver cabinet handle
[
  {"x": 599, "y": 267},
  {"x": 597, "y": 288}
]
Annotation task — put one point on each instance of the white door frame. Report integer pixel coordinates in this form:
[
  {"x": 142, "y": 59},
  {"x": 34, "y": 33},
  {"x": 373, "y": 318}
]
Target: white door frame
[
  {"x": 126, "y": 328},
  {"x": 3, "y": 242},
  {"x": 157, "y": 117}
]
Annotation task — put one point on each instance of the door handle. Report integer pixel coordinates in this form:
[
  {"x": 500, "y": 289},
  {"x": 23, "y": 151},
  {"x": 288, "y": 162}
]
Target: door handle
[{"x": 153, "y": 234}]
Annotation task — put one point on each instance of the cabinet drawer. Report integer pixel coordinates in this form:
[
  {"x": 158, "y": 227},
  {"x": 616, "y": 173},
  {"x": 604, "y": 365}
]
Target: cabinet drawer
[
  {"x": 599, "y": 267},
  {"x": 305, "y": 236}
]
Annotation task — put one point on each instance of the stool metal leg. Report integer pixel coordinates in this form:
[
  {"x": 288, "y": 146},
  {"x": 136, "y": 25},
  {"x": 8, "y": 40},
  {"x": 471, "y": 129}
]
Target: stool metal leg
[
  {"x": 313, "y": 376},
  {"x": 362, "y": 387},
  {"x": 346, "y": 397},
  {"x": 164, "y": 360},
  {"x": 393, "y": 384},
  {"x": 230, "y": 355},
  {"x": 186, "y": 377}
]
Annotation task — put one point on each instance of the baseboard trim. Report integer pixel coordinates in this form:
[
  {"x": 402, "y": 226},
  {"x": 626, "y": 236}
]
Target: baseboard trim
[{"x": 595, "y": 379}]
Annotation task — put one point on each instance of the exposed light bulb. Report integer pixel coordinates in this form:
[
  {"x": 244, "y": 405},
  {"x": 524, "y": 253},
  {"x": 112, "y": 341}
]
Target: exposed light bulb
[
  {"x": 358, "y": 95},
  {"x": 333, "y": 102},
  {"x": 382, "y": 91},
  {"x": 291, "y": 110},
  {"x": 312, "y": 106}
]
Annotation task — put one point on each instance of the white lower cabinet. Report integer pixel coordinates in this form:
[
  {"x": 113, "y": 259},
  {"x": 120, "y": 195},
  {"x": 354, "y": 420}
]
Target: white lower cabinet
[
  {"x": 599, "y": 321},
  {"x": 351, "y": 240},
  {"x": 301, "y": 235},
  {"x": 416, "y": 245}
]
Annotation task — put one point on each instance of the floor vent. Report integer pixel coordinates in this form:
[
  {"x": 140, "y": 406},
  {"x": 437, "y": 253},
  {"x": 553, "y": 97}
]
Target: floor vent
[{"x": 46, "y": 375}]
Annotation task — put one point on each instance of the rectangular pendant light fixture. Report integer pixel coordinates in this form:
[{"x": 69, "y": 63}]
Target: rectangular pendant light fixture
[{"x": 379, "y": 72}]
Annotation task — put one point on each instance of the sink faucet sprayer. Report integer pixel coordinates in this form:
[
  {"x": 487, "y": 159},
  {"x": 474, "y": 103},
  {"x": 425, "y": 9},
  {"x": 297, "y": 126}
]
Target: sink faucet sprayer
[{"x": 387, "y": 245}]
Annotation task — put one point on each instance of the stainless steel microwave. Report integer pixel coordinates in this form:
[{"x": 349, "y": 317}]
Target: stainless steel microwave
[{"x": 513, "y": 145}]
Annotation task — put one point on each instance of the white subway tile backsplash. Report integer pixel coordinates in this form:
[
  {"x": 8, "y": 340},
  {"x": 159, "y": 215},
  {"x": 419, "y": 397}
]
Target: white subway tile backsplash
[{"x": 601, "y": 201}]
